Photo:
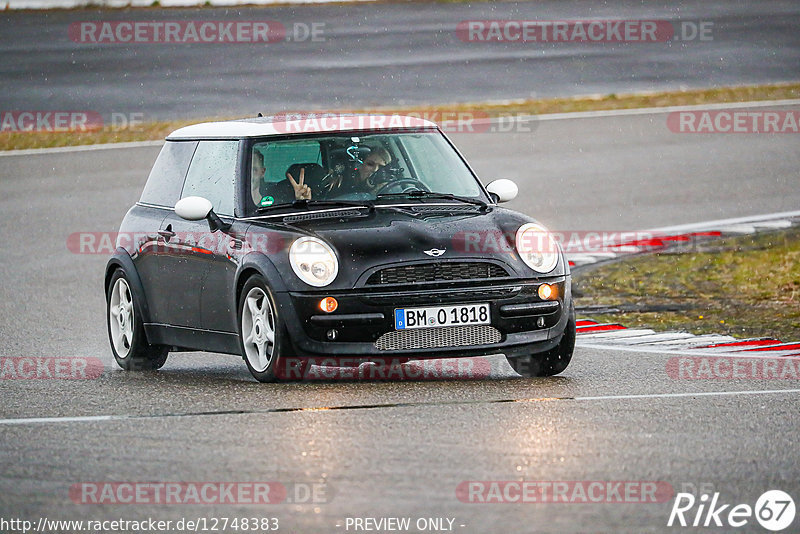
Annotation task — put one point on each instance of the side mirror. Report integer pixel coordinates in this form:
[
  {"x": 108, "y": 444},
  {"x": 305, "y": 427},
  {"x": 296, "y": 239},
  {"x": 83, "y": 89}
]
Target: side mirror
[
  {"x": 502, "y": 190},
  {"x": 198, "y": 208},
  {"x": 193, "y": 208}
]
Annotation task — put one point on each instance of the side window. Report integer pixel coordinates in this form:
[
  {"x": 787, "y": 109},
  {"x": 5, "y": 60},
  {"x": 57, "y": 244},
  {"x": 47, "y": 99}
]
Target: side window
[
  {"x": 212, "y": 174},
  {"x": 163, "y": 187}
]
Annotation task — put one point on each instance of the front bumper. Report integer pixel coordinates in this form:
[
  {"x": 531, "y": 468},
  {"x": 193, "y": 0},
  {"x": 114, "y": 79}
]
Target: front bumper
[{"x": 364, "y": 321}]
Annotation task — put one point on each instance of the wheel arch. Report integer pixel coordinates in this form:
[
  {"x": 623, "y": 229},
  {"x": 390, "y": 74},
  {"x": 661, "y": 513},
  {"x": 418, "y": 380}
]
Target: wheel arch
[
  {"x": 122, "y": 261},
  {"x": 256, "y": 263}
]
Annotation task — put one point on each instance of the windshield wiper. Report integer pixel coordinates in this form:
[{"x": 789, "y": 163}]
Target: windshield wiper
[
  {"x": 420, "y": 194},
  {"x": 310, "y": 204}
]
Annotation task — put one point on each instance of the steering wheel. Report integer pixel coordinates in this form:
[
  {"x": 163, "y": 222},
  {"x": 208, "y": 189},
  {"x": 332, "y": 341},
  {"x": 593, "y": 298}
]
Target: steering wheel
[{"x": 403, "y": 185}]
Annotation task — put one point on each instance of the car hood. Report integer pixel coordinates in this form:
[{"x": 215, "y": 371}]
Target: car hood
[{"x": 388, "y": 236}]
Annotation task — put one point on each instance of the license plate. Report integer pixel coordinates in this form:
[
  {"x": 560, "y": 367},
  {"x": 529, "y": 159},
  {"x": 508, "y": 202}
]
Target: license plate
[{"x": 465, "y": 314}]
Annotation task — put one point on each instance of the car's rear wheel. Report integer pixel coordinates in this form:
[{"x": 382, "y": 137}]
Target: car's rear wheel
[
  {"x": 551, "y": 362},
  {"x": 265, "y": 345},
  {"x": 126, "y": 329}
]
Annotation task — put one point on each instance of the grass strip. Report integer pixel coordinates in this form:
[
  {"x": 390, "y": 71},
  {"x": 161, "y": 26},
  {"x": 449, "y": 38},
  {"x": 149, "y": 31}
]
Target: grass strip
[
  {"x": 16, "y": 140},
  {"x": 747, "y": 286}
]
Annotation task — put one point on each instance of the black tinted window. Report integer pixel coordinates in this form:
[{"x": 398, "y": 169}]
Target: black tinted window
[
  {"x": 163, "y": 187},
  {"x": 212, "y": 174}
]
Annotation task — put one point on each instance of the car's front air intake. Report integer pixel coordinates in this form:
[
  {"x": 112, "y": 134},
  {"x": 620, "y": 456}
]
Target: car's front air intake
[{"x": 432, "y": 338}]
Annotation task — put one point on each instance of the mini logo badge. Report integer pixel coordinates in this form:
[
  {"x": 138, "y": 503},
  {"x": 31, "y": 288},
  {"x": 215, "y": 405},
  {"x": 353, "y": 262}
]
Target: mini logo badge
[{"x": 435, "y": 252}]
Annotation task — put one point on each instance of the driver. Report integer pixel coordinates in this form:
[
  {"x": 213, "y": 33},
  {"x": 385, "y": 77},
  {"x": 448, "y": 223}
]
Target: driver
[{"x": 362, "y": 178}]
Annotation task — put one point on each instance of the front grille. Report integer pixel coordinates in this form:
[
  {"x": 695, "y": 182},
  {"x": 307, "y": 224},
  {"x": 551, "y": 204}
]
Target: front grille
[
  {"x": 433, "y": 338},
  {"x": 436, "y": 272}
]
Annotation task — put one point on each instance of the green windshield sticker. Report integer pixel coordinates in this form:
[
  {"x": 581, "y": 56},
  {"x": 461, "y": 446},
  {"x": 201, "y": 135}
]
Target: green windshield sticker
[{"x": 267, "y": 201}]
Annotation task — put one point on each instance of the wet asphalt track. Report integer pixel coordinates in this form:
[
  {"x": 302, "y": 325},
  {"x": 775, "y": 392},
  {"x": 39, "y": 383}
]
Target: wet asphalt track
[
  {"x": 393, "y": 448},
  {"x": 390, "y": 448},
  {"x": 385, "y": 55}
]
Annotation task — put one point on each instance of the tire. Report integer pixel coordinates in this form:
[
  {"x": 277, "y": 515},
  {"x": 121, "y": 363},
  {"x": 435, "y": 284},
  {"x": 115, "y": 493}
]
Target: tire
[
  {"x": 126, "y": 329},
  {"x": 551, "y": 362},
  {"x": 262, "y": 337}
]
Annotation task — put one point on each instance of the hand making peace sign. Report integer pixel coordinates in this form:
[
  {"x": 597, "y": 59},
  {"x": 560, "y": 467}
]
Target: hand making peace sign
[{"x": 301, "y": 190}]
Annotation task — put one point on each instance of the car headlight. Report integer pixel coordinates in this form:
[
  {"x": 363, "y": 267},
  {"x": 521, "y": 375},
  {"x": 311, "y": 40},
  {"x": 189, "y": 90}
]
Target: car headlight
[
  {"x": 313, "y": 261},
  {"x": 537, "y": 247}
]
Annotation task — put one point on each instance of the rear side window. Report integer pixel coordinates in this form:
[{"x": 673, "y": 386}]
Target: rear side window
[
  {"x": 163, "y": 187},
  {"x": 212, "y": 174}
]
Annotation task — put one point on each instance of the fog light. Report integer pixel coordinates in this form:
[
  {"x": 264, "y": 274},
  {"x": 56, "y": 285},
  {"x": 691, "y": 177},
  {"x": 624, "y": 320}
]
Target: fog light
[
  {"x": 540, "y": 322},
  {"x": 546, "y": 291},
  {"x": 328, "y": 304},
  {"x": 332, "y": 334}
]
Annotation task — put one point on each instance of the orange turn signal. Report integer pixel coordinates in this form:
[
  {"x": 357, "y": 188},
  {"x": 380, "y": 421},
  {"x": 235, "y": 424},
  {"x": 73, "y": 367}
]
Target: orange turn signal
[
  {"x": 546, "y": 291},
  {"x": 328, "y": 304}
]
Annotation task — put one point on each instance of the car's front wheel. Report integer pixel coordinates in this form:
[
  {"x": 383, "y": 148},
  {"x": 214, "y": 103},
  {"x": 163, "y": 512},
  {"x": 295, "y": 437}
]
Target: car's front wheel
[
  {"x": 126, "y": 329},
  {"x": 261, "y": 335},
  {"x": 551, "y": 362}
]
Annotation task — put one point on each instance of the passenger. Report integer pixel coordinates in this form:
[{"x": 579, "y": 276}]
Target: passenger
[
  {"x": 257, "y": 172},
  {"x": 266, "y": 194}
]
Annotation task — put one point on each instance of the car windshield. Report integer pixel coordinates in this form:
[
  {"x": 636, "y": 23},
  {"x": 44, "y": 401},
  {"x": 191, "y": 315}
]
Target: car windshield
[{"x": 361, "y": 167}]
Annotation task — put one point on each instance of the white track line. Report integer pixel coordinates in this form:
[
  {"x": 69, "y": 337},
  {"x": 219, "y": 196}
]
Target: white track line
[
  {"x": 615, "y": 334},
  {"x": 658, "y": 111},
  {"x": 713, "y": 225},
  {"x": 87, "y": 418},
  {"x": 711, "y": 352},
  {"x": 697, "y": 342},
  {"x": 733, "y": 349},
  {"x": 656, "y": 338},
  {"x": 79, "y": 148},
  {"x": 696, "y": 394}
]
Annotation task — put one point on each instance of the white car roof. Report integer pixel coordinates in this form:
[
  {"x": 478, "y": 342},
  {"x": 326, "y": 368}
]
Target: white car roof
[{"x": 297, "y": 123}]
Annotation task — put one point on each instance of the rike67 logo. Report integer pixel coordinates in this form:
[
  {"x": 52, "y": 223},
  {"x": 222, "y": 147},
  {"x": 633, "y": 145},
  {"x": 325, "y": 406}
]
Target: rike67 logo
[{"x": 774, "y": 510}]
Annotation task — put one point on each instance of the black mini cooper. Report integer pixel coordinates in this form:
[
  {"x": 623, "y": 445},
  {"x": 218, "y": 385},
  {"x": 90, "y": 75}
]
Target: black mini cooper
[{"x": 368, "y": 237}]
